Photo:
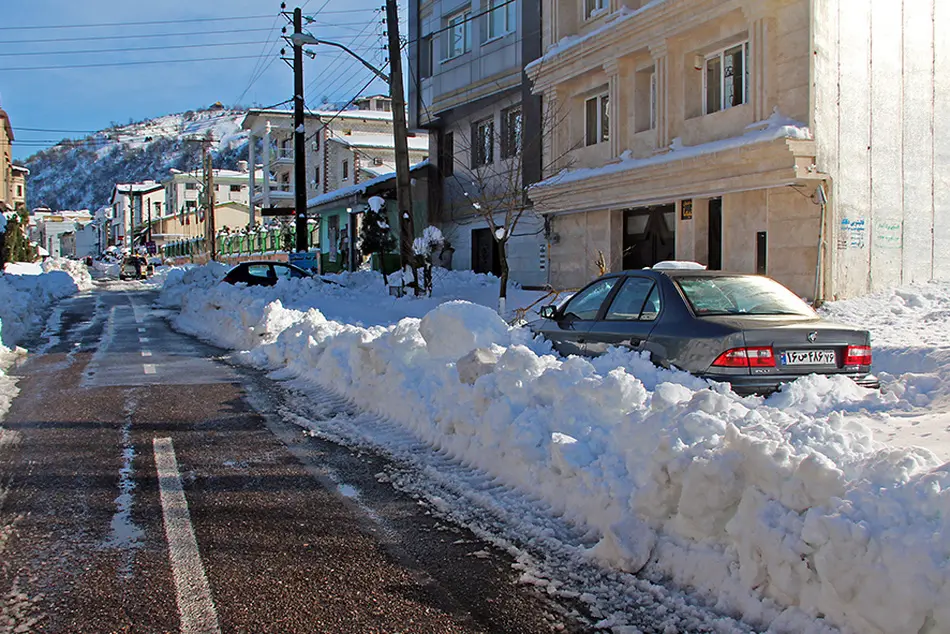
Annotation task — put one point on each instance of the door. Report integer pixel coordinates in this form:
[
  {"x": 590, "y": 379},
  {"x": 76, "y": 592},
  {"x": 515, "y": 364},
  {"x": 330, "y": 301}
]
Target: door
[
  {"x": 485, "y": 252},
  {"x": 629, "y": 319},
  {"x": 715, "y": 234},
  {"x": 568, "y": 330},
  {"x": 649, "y": 236}
]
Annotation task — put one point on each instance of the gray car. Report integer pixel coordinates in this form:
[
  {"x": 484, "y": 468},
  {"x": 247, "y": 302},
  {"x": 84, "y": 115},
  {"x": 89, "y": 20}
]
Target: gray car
[{"x": 747, "y": 330}]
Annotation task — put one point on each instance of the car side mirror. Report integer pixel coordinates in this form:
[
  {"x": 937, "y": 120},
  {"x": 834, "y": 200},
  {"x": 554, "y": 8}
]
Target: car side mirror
[{"x": 548, "y": 312}]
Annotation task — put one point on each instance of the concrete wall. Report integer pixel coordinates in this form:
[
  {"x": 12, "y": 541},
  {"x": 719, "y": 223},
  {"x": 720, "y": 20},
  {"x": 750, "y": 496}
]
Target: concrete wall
[{"x": 882, "y": 125}]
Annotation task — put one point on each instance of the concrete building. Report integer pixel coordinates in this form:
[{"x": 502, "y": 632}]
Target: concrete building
[
  {"x": 46, "y": 228},
  {"x": 343, "y": 149},
  {"x": 132, "y": 204},
  {"x": 183, "y": 217},
  {"x": 18, "y": 185},
  {"x": 761, "y": 136},
  {"x": 467, "y": 87},
  {"x": 6, "y": 161}
]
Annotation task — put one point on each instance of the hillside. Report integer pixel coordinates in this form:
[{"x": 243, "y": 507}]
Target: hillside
[{"x": 80, "y": 174}]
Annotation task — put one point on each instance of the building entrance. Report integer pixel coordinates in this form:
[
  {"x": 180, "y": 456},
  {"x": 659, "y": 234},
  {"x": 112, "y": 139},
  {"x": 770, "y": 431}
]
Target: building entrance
[{"x": 649, "y": 236}]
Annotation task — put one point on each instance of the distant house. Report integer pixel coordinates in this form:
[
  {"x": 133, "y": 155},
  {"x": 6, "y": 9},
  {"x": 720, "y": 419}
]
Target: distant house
[
  {"x": 133, "y": 204},
  {"x": 18, "y": 185},
  {"x": 47, "y": 227},
  {"x": 344, "y": 148},
  {"x": 340, "y": 212}
]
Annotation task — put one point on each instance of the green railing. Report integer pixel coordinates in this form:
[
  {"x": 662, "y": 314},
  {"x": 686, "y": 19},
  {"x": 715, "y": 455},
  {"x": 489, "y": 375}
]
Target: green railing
[{"x": 257, "y": 243}]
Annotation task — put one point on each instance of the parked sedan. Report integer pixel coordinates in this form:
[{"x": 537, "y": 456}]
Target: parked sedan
[
  {"x": 747, "y": 330},
  {"x": 263, "y": 273}
]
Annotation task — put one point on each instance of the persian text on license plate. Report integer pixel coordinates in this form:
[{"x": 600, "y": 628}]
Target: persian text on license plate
[{"x": 809, "y": 357}]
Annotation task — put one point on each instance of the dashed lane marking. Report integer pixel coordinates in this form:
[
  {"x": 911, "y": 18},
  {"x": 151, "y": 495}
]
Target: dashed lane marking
[
  {"x": 144, "y": 339},
  {"x": 149, "y": 368},
  {"x": 146, "y": 353},
  {"x": 195, "y": 604},
  {"x": 141, "y": 329}
]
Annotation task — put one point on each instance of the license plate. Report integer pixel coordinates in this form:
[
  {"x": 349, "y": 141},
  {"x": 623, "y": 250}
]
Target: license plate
[{"x": 809, "y": 357}]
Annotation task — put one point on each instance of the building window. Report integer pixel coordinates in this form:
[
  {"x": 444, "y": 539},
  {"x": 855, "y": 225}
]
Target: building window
[
  {"x": 191, "y": 186},
  {"x": 316, "y": 176},
  {"x": 459, "y": 34},
  {"x": 447, "y": 155},
  {"x": 346, "y": 170},
  {"x": 191, "y": 205},
  {"x": 653, "y": 101},
  {"x": 511, "y": 127},
  {"x": 158, "y": 209},
  {"x": 483, "y": 142},
  {"x": 727, "y": 79},
  {"x": 235, "y": 188},
  {"x": 593, "y": 8},
  {"x": 19, "y": 191},
  {"x": 502, "y": 17},
  {"x": 597, "y": 120},
  {"x": 316, "y": 140},
  {"x": 425, "y": 58}
]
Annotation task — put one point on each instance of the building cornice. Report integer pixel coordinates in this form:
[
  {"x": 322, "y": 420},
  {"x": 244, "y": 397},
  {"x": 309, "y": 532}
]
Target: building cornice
[{"x": 646, "y": 28}]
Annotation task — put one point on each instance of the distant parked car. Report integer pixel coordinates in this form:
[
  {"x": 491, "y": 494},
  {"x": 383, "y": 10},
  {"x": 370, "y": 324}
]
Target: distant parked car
[
  {"x": 747, "y": 330},
  {"x": 263, "y": 273},
  {"x": 134, "y": 267}
]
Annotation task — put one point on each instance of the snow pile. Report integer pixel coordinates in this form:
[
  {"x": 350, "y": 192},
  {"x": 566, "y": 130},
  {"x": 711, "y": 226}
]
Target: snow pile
[
  {"x": 779, "y": 509},
  {"x": 27, "y": 290}
]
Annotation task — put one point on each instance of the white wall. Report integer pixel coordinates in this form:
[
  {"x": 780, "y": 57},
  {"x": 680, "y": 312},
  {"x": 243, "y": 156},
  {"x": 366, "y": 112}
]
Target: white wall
[{"x": 882, "y": 126}]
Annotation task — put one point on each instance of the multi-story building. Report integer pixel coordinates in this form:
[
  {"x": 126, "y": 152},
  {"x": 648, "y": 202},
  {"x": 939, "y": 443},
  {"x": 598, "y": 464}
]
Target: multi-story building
[
  {"x": 805, "y": 139},
  {"x": 6, "y": 161},
  {"x": 344, "y": 148},
  {"x": 467, "y": 86},
  {"x": 183, "y": 217},
  {"x": 47, "y": 227},
  {"x": 18, "y": 185},
  {"x": 133, "y": 205}
]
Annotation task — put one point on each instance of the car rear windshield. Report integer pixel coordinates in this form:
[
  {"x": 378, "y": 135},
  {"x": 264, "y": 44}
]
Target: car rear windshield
[{"x": 741, "y": 295}]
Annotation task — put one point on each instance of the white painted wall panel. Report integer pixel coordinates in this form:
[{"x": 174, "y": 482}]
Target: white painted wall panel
[
  {"x": 854, "y": 139},
  {"x": 941, "y": 140},
  {"x": 886, "y": 179},
  {"x": 918, "y": 153}
]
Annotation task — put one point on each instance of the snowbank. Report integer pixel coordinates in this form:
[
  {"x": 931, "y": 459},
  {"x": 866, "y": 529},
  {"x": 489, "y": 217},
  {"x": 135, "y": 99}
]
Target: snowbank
[
  {"x": 26, "y": 292},
  {"x": 781, "y": 510}
]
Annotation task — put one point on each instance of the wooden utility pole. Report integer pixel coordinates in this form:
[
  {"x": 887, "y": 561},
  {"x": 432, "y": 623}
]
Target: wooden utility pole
[
  {"x": 209, "y": 219},
  {"x": 403, "y": 189},
  {"x": 300, "y": 151}
]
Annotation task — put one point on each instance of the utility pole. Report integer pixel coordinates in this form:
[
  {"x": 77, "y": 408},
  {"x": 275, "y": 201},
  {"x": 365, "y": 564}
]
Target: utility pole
[
  {"x": 209, "y": 219},
  {"x": 300, "y": 152},
  {"x": 148, "y": 203},
  {"x": 403, "y": 189}
]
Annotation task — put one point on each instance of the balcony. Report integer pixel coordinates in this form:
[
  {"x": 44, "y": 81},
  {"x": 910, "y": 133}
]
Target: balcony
[
  {"x": 281, "y": 157},
  {"x": 280, "y": 194}
]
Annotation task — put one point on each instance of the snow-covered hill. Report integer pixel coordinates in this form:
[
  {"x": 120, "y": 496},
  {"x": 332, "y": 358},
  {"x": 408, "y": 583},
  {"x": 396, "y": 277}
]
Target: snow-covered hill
[{"x": 80, "y": 174}]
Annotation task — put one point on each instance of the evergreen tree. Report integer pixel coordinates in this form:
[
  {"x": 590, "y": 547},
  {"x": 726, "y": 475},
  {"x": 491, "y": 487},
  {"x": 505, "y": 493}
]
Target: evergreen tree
[
  {"x": 16, "y": 244},
  {"x": 376, "y": 236}
]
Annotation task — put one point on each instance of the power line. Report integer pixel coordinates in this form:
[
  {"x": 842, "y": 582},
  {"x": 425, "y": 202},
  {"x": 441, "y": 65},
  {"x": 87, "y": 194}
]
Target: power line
[
  {"x": 143, "y": 23},
  {"x": 91, "y": 38},
  {"x": 131, "y": 49},
  {"x": 156, "y": 61}
]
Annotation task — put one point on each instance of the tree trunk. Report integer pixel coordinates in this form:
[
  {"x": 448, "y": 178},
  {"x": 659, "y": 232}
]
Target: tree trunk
[{"x": 503, "y": 285}]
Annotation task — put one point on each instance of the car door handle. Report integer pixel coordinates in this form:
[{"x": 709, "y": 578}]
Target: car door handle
[{"x": 634, "y": 342}]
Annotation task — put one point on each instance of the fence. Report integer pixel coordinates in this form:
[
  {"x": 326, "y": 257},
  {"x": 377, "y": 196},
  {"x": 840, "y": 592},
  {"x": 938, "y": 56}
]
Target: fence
[{"x": 236, "y": 246}]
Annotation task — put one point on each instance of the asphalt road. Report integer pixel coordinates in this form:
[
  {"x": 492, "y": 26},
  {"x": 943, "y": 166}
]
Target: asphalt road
[{"x": 151, "y": 487}]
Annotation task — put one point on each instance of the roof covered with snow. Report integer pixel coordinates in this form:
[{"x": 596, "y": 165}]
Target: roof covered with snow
[
  {"x": 379, "y": 140},
  {"x": 359, "y": 188}
]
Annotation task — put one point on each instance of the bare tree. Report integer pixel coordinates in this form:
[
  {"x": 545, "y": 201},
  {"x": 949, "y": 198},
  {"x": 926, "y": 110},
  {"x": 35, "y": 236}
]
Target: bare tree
[{"x": 491, "y": 181}]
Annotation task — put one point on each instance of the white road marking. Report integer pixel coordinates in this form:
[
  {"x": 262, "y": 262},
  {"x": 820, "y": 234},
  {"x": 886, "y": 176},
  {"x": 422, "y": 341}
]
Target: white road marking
[
  {"x": 143, "y": 340},
  {"x": 195, "y": 604},
  {"x": 141, "y": 329},
  {"x": 146, "y": 353},
  {"x": 149, "y": 368}
]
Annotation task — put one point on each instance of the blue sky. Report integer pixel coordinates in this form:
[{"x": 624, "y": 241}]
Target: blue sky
[{"x": 92, "y": 98}]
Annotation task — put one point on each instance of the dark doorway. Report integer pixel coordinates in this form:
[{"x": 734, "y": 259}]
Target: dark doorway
[
  {"x": 714, "y": 262},
  {"x": 485, "y": 252},
  {"x": 649, "y": 236}
]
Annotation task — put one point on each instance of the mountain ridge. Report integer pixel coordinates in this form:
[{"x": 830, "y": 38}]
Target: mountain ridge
[{"x": 80, "y": 173}]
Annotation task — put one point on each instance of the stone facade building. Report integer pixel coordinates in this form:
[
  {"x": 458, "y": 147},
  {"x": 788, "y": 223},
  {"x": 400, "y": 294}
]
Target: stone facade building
[{"x": 803, "y": 139}]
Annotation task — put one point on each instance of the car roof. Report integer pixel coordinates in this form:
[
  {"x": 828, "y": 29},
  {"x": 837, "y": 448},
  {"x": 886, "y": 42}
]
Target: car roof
[{"x": 672, "y": 273}]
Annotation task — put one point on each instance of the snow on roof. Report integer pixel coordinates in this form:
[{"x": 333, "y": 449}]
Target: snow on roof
[
  {"x": 379, "y": 140},
  {"x": 359, "y": 188},
  {"x": 136, "y": 188},
  {"x": 379, "y": 115},
  {"x": 20, "y": 168},
  {"x": 775, "y": 127}
]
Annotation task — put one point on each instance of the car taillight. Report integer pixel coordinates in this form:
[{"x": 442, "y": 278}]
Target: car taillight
[
  {"x": 229, "y": 279},
  {"x": 746, "y": 358},
  {"x": 857, "y": 355}
]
